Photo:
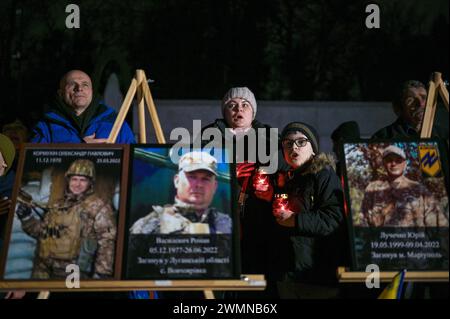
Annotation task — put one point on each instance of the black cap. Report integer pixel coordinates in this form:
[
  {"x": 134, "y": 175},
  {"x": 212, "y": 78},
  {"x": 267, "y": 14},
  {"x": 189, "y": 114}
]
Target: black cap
[
  {"x": 307, "y": 130},
  {"x": 346, "y": 130}
]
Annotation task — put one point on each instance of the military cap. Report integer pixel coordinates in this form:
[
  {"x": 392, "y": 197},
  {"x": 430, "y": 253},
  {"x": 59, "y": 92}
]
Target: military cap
[
  {"x": 194, "y": 161},
  {"x": 394, "y": 150}
]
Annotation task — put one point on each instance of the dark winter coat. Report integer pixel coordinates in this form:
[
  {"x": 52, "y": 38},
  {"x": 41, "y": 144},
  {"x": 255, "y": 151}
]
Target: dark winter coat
[
  {"x": 400, "y": 129},
  {"x": 256, "y": 220},
  {"x": 319, "y": 238}
]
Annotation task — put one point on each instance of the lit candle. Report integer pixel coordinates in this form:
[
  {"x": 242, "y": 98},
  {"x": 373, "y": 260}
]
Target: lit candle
[
  {"x": 261, "y": 181},
  {"x": 281, "y": 202}
]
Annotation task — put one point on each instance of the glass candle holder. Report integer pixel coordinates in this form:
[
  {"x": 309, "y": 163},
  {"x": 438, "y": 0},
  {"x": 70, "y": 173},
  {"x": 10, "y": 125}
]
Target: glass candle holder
[
  {"x": 281, "y": 202},
  {"x": 261, "y": 181}
]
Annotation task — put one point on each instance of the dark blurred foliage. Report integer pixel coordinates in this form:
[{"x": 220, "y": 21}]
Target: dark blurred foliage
[{"x": 281, "y": 49}]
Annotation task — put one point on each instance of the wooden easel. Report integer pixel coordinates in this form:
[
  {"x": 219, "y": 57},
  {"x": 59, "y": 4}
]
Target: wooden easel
[
  {"x": 436, "y": 85},
  {"x": 139, "y": 87}
]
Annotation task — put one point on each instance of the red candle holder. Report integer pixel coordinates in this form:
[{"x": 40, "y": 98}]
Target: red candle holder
[
  {"x": 261, "y": 181},
  {"x": 281, "y": 202}
]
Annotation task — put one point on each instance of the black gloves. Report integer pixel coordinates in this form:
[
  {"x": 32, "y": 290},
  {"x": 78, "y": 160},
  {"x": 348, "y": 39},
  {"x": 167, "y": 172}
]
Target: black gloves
[{"x": 23, "y": 211}]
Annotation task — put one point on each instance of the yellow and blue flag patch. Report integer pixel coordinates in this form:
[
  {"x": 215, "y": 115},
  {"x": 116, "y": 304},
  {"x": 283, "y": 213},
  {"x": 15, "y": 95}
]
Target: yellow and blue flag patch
[
  {"x": 429, "y": 160},
  {"x": 395, "y": 288}
]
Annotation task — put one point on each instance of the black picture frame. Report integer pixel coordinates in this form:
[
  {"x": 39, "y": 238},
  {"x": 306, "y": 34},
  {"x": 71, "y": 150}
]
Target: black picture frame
[
  {"x": 44, "y": 169},
  {"x": 409, "y": 240},
  {"x": 177, "y": 255}
]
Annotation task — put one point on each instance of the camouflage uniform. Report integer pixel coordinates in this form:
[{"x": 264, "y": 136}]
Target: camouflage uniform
[
  {"x": 403, "y": 202},
  {"x": 78, "y": 229},
  {"x": 181, "y": 218},
  {"x": 74, "y": 233}
]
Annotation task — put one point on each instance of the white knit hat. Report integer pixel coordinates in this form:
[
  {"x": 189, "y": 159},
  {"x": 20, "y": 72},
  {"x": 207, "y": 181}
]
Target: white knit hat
[{"x": 243, "y": 93}]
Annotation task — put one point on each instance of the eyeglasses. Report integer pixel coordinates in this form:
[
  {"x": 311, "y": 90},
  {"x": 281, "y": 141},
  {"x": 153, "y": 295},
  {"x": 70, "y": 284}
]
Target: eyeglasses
[{"x": 300, "y": 142}]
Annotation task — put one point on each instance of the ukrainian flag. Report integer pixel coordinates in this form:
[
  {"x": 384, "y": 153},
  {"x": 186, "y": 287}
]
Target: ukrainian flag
[{"x": 395, "y": 288}]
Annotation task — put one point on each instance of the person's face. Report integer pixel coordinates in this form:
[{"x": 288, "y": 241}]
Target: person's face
[
  {"x": 76, "y": 90},
  {"x": 238, "y": 113},
  {"x": 3, "y": 165},
  {"x": 78, "y": 184},
  {"x": 294, "y": 154},
  {"x": 196, "y": 188},
  {"x": 414, "y": 103},
  {"x": 395, "y": 165}
]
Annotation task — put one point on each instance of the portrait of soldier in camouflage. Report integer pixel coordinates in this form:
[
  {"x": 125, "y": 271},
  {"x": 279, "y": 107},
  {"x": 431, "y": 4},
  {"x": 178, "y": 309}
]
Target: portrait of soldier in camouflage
[
  {"x": 191, "y": 213},
  {"x": 79, "y": 228},
  {"x": 398, "y": 201}
]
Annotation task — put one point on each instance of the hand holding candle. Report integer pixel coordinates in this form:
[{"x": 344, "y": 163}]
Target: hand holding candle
[
  {"x": 262, "y": 186},
  {"x": 261, "y": 181},
  {"x": 280, "y": 204},
  {"x": 243, "y": 171},
  {"x": 281, "y": 210}
]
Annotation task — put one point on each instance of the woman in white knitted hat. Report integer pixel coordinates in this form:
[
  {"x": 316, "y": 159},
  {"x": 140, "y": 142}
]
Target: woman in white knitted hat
[{"x": 239, "y": 109}]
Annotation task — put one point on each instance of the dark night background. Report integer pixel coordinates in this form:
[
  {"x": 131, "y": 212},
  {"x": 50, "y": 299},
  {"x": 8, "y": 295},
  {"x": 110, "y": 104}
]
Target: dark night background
[{"x": 193, "y": 49}]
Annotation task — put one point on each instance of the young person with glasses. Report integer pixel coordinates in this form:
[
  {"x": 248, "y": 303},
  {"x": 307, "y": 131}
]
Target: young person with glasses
[{"x": 312, "y": 216}]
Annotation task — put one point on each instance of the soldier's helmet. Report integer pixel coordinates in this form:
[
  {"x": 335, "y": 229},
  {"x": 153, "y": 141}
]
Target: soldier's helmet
[
  {"x": 82, "y": 167},
  {"x": 194, "y": 161}
]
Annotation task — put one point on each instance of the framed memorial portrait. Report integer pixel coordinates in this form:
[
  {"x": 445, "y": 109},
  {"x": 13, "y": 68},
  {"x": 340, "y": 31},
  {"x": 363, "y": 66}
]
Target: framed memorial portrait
[
  {"x": 397, "y": 204},
  {"x": 67, "y": 214},
  {"x": 181, "y": 221}
]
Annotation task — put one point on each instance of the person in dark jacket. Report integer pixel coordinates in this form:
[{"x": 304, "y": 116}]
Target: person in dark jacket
[
  {"x": 239, "y": 110},
  {"x": 312, "y": 215},
  {"x": 345, "y": 131},
  {"x": 409, "y": 105},
  {"x": 77, "y": 116}
]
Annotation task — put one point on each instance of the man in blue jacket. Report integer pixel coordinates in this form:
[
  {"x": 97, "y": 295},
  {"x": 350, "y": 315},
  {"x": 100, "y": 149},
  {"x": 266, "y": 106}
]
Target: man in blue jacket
[{"x": 77, "y": 116}]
